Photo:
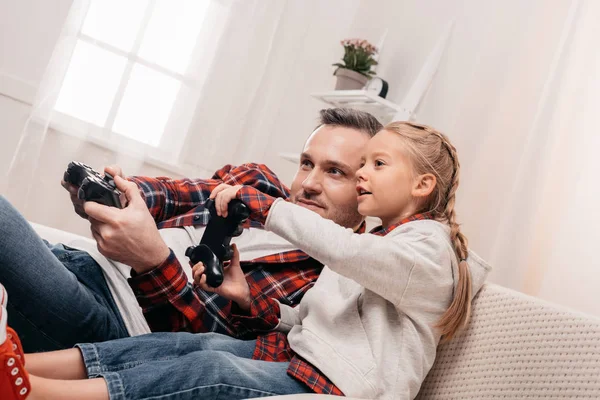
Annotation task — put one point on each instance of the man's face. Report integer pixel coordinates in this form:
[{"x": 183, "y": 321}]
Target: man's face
[{"x": 325, "y": 182}]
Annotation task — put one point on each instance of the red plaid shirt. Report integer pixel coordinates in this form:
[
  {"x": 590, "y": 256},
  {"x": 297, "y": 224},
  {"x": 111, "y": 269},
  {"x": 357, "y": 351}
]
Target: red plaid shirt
[
  {"x": 169, "y": 302},
  {"x": 264, "y": 312}
]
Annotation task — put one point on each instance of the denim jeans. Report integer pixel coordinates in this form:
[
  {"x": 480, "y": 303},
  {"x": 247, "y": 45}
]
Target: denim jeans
[
  {"x": 57, "y": 296},
  {"x": 178, "y": 365}
]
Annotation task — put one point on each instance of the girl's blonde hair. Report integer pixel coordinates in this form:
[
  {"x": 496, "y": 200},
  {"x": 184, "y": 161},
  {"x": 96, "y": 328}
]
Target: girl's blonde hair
[{"x": 432, "y": 152}]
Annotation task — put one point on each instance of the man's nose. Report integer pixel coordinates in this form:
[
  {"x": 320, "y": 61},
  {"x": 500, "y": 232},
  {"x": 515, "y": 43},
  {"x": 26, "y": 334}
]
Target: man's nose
[{"x": 313, "y": 182}]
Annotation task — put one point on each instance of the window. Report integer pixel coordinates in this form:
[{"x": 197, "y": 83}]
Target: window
[{"x": 129, "y": 69}]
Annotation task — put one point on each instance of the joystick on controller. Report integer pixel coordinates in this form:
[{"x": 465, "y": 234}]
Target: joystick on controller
[
  {"x": 214, "y": 247},
  {"x": 92, "y": 185}
]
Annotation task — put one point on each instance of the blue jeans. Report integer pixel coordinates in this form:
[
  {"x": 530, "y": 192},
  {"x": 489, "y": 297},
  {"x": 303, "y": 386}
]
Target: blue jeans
[
  {"x": 57, "y": 296},
  {"x": 178, "y": 365}
]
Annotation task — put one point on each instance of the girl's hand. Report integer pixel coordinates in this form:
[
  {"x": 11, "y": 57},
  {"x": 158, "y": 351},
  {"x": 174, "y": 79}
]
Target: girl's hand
[
  {"x": 222, "y": 195},
  {"x": 234, "y": 286}
]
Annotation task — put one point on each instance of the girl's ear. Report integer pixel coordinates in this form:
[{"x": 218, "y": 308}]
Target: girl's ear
[{"x": 424, "y": 185}]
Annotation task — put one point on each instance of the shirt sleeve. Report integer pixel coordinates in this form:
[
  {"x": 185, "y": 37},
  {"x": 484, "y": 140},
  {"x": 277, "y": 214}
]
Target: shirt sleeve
[
  {"x": 263, "y": 315},
  {"x": 258, "y": 202},
  {"x": 168, "y": 301},
  {"x": 167, "y": 198}
]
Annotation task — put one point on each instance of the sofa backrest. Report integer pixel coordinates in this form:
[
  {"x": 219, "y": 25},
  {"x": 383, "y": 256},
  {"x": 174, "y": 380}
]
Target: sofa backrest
[{"x": 517, "y": 346}]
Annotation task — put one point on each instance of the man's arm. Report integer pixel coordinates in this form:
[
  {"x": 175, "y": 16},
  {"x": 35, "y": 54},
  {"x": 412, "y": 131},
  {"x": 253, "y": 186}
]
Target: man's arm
[
  {"x": 167, "y": 198},
  {"x": 168, "y": 301},
  {"x": 250, "y": 310},
  {"x": 264, "y": 314},
  {"x": 130, "y": 236}
]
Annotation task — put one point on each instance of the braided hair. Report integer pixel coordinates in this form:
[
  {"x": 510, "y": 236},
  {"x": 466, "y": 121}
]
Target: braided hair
[{"x": 432, "y": 152}]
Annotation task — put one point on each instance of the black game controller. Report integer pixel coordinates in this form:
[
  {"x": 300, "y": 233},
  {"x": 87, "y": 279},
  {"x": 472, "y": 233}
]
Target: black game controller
[
  {"x": 214, "y": 246},
  {"x": 92, "y": 185}
]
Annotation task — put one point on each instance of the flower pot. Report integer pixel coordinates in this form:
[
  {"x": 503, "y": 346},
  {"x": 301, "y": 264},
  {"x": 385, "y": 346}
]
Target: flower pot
[{"x": 349, "y": 80}]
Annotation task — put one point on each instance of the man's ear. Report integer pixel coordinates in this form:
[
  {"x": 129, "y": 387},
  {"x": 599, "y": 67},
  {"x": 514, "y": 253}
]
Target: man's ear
[{"x": 424, "y": 185}]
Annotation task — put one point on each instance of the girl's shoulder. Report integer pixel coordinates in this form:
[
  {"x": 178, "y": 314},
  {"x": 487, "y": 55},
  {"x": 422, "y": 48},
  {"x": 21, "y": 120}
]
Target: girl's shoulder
[
  {"x": 434, "y": 238},
  {"x": 423, "y": 228},
  {"x": 429, "y": 236}
]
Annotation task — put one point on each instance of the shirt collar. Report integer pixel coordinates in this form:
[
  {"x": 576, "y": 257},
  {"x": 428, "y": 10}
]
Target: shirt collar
[
  {"x": 381, "y": 231},
  {"x": 362, "y": 228}
]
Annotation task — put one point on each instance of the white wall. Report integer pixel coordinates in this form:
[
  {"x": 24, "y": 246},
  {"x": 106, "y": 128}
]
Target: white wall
[{"x": 28, "y": 32}]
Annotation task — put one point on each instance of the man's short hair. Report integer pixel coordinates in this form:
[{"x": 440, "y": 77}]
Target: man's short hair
[{"x": 349, "y": 118}]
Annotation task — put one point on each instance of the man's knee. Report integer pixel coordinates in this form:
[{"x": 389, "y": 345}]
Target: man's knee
[{"x": 9, "y": 215}]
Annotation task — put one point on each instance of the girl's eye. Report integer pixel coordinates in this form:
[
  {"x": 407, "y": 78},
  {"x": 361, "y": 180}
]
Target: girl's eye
[{"x": 379, "y": 163}]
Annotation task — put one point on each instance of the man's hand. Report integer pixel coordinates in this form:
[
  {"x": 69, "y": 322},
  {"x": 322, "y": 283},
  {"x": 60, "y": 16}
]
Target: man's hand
[
  {"x": 127, "y": 235},
  {"x": 77, "y": 203},
  {"x": 222, "y": 195},
  {"x": 234, "y": 286},
  {"x": 114, "y": 170}
]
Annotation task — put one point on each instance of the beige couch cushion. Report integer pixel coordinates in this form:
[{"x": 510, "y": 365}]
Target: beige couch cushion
[{"x": 517, "y": 346}]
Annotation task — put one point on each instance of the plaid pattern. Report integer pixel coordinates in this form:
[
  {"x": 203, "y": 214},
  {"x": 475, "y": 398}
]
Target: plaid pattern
[
  {"x": 312, "y": 377},
  {"x": 381, "y": 231},
  {"x": 168, "y": 301},
  {"x": 258, "y": 203},
  {"x": 180, "y": 202},
  {"x": 264, "y": 315}
]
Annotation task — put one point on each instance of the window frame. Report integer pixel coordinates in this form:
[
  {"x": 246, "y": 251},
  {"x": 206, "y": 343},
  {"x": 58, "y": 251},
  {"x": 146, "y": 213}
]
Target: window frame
[{"x": 166, "y": 153}]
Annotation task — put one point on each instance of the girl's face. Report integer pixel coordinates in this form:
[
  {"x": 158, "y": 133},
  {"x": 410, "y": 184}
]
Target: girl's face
[{"x": 386, "y": 183}]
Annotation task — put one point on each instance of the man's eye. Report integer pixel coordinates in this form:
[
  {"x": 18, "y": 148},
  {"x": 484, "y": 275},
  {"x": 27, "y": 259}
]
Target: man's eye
[
  {"x": 305, "y": 164},
  {"x": 336, "y": 171}
]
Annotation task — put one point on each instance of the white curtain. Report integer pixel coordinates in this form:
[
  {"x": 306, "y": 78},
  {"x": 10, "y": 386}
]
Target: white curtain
[
  {"x": 518, "y": 92},
  {"x": 563, "y": 246},
  {"x": 19, "y": 182},
  {"x": 251, "y": 60},
  {"x": 270, "y": 57}
]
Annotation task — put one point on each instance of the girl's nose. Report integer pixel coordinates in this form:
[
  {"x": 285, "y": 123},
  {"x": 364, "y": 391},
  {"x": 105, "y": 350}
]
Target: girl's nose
[{"x": 360, "y": 174}]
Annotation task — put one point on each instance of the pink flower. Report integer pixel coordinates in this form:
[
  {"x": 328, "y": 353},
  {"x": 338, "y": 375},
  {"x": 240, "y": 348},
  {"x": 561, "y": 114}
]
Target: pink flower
[{"x": 359, "y": 43}]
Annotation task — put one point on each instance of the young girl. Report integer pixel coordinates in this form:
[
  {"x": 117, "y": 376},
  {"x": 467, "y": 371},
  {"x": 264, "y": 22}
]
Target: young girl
[{"x": 369, "y": 327}]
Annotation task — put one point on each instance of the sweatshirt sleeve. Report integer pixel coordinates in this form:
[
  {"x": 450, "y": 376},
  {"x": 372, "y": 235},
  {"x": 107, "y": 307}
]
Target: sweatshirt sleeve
[
  {"x": 384, "y": 265},
  {"x": 288, "y": 318}
]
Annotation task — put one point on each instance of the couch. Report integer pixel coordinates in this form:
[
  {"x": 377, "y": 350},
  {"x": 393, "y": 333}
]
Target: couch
[{"x": 515, "y": 347}]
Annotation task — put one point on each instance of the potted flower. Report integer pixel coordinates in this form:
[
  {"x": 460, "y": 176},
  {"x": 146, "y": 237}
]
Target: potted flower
[{"x": 355, "y": 70}]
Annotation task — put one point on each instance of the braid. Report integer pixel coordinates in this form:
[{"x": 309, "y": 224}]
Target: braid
[
  {"x": 460, "y": 241},
  {"x": 459, "y": 312},
  {"x": 457, "y": 315}
]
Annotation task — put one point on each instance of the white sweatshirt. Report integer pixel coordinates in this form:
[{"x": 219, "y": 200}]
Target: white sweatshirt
[{"x": 367, "y": 322}]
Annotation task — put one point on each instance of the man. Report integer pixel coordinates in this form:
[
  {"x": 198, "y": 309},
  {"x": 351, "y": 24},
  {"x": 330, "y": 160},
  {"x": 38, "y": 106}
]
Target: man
[{"x": 60, "y": 295}]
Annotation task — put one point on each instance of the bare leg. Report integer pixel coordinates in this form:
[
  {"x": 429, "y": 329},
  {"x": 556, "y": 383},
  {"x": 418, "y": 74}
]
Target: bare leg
[
  {"x": 49, "y": 389},
  {"x": 61, "y": 364}
]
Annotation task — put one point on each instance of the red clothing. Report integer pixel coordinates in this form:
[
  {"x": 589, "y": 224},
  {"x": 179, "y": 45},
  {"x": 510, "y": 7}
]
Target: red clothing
[{"x": 169, "y": 302}]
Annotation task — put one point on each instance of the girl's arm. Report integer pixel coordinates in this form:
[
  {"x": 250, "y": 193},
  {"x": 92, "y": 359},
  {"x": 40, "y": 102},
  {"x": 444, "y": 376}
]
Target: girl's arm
[{"x": 384, "y": 265}]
